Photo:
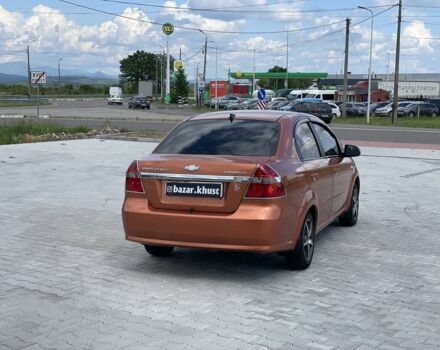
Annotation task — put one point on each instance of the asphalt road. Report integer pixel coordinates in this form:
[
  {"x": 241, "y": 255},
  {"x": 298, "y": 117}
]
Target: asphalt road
[{"x": 96, "y": 113}]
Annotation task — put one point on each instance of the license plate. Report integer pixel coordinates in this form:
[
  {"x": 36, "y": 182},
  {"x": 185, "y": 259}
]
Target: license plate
[
  {"x": 324, "y": 115},
  {"x": 194, "y": 189}
]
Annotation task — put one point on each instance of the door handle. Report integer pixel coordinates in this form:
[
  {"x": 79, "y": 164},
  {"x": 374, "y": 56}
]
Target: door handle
[{"x": 314, "y": 176}]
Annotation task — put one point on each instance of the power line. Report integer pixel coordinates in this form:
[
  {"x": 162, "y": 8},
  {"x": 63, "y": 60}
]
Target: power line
[{"x": 197, "y": 29}]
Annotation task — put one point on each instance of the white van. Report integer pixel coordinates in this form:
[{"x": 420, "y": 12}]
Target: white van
[
  {"x": 115, "y": 96},
  {"x": 323, "y": 95},
  {"x": 295, "y": 94}
]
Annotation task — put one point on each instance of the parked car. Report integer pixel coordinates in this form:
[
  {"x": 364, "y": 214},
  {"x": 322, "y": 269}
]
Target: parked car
[
  {"x": 321, "y": 110},
  {"x": 282, "y": 92},
  {"x": 336, "y": 112},
  {"x": 246, "y": 104},
  {"x": 354, "y": 109},
  {"x": 413, "y": 109},
  {"x": 276, "y": 105},
  {"x": 224, "y": 101},
  {"x": 139, "y": 102},
  {"x": 387, "y": 111},
  {"x": 258, "y": 181},
  {"x": 376, "y": 105},
  {"x": 435, "y": 101}
]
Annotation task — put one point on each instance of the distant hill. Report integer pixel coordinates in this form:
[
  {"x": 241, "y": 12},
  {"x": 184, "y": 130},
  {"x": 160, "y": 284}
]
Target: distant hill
[
  {"x": 12, "y": 79},
  {"x": 15, "y": 72},
  {"x": 75, "y": 80}
]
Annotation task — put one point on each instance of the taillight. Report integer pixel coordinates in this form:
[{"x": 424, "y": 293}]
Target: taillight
[
  {"x": 265, "y": 183},
  {"x": 133, "y": 178}
]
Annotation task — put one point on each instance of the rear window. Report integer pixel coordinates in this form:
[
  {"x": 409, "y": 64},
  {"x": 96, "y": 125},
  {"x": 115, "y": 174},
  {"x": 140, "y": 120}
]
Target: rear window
[{"x": 221, "y": 137}]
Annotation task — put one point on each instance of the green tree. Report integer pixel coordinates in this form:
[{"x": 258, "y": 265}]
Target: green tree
[
  {"x": 142, "y": 65},
  {"x": 180, "y": 86}
]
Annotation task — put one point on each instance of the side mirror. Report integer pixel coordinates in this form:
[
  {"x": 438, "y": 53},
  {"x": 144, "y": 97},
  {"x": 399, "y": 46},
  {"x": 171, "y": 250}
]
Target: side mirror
[{"x": 351, "y": 151}]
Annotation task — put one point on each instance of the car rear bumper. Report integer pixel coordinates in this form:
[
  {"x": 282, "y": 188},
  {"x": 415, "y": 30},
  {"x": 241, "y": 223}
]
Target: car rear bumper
[{"x": 252, "y": 227}]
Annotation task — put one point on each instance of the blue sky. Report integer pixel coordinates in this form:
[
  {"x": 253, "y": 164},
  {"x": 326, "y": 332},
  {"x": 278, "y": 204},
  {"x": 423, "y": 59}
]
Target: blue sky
[{"x": 94, "y": 41}]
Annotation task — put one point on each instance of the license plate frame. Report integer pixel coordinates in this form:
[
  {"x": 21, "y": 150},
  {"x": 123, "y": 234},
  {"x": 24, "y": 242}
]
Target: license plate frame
[{"x": 194, "y": 189}]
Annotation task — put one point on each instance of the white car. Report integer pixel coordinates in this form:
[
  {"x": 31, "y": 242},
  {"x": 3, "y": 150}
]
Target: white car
[{"x": 335, "y": 110}]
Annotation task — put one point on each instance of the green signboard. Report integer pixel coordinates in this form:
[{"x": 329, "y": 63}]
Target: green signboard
[{"x": 167, "y": 28}]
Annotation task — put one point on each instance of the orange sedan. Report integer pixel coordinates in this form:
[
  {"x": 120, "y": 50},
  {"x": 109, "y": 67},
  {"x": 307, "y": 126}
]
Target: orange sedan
[{"x": 258, "y": 181}]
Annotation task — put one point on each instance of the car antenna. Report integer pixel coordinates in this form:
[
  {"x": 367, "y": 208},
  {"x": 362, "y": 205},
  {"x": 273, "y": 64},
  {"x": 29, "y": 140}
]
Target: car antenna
[{"x": 231, "y": 117}]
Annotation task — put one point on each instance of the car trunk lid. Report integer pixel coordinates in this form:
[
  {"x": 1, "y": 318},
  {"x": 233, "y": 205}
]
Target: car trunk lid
[{"x": 196, "y": 183}]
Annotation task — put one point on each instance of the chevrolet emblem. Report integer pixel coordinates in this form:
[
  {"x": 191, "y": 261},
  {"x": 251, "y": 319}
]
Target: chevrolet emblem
[{"x": 192, "y": 167}]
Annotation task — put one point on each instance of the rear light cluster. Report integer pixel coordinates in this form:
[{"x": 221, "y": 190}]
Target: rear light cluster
[
  {"x": 133, "y": 181},
  {"x": 265, "y": 183}
]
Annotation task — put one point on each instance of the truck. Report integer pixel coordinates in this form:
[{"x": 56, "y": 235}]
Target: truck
[
  {"x": 145, "y": 88},
  {"x": 115, "y": 98}
]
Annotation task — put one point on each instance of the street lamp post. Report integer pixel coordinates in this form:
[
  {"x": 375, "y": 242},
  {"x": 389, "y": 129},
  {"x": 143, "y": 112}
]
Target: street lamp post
[
  {"x": 369, "y": 65},
  {"x": 204, "y": 65},
  {"x": 59, "y": 73}
]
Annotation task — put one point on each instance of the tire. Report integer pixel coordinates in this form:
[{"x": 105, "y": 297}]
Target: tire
[
  {"x": 160, "y": 251},
  {"x": 433, "y": 114},
  {"x": 350, "y": 217},
  {"x": 334, "y": 115},
  {"x": 301, "y": 257},
  {"x": 411, "y": 114},
  {"x": 390, "y": 114},
  {"x": 148, "y": 107}
]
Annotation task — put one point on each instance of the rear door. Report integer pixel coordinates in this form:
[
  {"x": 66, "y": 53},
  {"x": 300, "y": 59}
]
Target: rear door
[
  {"x": 317, "y": 170},
  {"x": 342, "y": 167}
]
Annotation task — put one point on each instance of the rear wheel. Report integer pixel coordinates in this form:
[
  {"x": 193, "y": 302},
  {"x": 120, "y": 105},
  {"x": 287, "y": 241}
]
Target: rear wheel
[
  {"x": 434, "y": 114},
  {"x": 157, "y": 250},
  {"x": 411, "y": 114},
  {"x": 301, "y": 257},
  {"x": 350, "y": 217}
]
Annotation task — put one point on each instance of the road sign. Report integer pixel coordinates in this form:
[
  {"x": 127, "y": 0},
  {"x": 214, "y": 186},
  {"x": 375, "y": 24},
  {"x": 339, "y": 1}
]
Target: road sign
[
  {"x": 38, "y": 77},
  {"x": 261, "y": 94},
  {"x": 178, "y": 65},
  {"x": 201, "y": 89},
  {"x": 167, "y": 28}
]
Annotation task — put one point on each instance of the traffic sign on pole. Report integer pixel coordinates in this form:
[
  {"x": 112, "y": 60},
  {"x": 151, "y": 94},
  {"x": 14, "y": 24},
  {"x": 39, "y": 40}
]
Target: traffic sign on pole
[
  {"x": 167, "y": 28},
  {"x": 261, "y": 94},
  {"x": 38, "y": 77}
]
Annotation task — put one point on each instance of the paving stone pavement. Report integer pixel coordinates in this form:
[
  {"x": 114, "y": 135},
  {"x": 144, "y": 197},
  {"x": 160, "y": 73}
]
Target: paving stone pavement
[{"x": 69, "y": 280}]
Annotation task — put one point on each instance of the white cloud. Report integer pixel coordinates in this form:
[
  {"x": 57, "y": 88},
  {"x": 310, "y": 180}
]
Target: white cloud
[{"x": 415, "y": 36}]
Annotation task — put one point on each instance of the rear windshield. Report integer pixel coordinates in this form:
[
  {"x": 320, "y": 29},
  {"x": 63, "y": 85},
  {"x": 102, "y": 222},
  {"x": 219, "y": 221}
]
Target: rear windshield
[{"x": 221, "y": 137}]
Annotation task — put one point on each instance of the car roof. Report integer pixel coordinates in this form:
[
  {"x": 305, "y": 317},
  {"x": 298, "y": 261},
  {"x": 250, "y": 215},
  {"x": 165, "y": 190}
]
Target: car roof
[{"x": 265, "y": 115}]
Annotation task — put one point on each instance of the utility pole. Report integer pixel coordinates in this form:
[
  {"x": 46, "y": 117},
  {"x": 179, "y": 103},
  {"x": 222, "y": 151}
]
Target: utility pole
[
  {"x": 286, "y": 81},
  {"x": 344, "y": 93},
  {"x": 29, "y": 72},
  {"x": 180, "y": 54},
  {"x": 388, "y": 65},
  {"x": 396, "y": 67},
  {"x": 59, "y": 73},
  {"x": 253, "y": 76},
  {"x": 204, "y": 65}
]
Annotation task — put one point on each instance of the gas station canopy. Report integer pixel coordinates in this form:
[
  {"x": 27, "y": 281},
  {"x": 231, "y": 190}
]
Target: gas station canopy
[{"x": 278, "y": 75}]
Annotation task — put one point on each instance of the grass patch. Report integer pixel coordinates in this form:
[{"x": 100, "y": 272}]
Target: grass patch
[
  {"x": 422, "y": 122},
  {"x": 27, "y": 132}
]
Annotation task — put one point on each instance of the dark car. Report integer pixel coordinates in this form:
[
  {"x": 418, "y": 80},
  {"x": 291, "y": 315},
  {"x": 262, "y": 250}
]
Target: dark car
[
  {"x": 355, "y": 109},
  {"x": 414, "y": 109},
  {"x": 321, "y": 110},
  {"x": 255, "y": 181},
  {"x": 283, "y": 92},
  {"x": 139, "y": 102},
  {"x": 434, "y": 101}
]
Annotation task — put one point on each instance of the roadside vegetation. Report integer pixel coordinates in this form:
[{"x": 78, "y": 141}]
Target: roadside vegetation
[
  {"x": 27, "y": 132},
  {"x": 422, "y": 122}
]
